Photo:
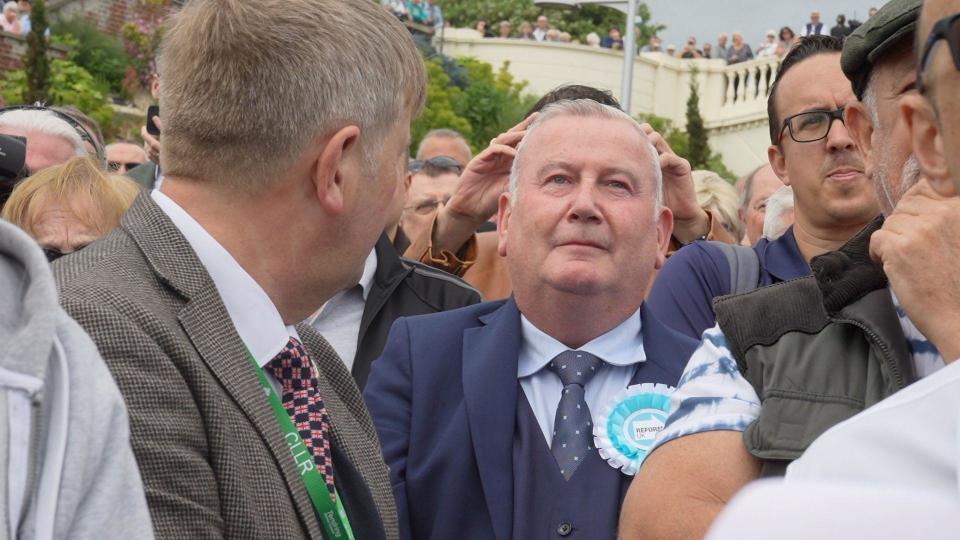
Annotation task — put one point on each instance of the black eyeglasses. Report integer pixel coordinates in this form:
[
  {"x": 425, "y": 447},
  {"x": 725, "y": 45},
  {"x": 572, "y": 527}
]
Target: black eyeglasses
[
  {"x": 54, "y": 253},
  {"x": 73, "y": 122},
  {"x": 438, "y": 164},
  {"x": 947, "y": 28},
  {"x": 117, "y": 165},
  {"x": 810, "y": 126}
]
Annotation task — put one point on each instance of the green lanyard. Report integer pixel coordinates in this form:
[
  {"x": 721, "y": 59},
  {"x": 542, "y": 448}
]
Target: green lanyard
[{"x": 329, "y": 510}]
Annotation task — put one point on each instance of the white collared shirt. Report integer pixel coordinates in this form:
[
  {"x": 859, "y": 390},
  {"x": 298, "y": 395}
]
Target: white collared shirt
[
  {"x": 253, "y": 314},
  {"x": 621, "y": 349},
  {"x": 338, "y": 320}
]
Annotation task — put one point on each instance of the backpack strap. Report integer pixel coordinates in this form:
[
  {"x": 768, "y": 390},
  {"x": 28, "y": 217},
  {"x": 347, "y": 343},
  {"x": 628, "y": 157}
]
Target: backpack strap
[{"x": 744, "y": 266}]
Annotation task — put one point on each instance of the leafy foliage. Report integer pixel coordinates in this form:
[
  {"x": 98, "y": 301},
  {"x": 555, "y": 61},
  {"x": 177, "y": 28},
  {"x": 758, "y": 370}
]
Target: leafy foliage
[
  {"x": 142, "y": 37},
  {"x": 479, "y": 103},
  {"x": 69, "y": 84},
  {"x": 103, "y": 56},
  {"x": 36, "y": 62},
  {"x": 578, "y": 22}
]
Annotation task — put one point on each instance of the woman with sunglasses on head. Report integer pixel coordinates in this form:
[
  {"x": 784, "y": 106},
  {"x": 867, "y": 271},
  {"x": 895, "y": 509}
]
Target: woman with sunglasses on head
[{"x": 66, "y": 207}]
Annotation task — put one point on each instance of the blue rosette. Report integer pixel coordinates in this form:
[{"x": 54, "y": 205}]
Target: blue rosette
[{"x": 628, "y": 424}]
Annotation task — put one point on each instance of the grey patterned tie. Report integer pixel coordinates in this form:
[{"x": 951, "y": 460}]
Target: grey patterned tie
[{"x": 573, "y": 426}]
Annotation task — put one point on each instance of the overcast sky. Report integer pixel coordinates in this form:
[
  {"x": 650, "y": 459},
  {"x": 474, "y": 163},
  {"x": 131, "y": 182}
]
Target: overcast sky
[{"x": 707, "y": 18}]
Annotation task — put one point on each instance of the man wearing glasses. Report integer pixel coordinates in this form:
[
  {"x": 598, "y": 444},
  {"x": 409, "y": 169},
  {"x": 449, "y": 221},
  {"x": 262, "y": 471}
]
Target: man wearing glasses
[
  {"x": 892, "y": 471},
  {"x": 788, "y": 362},
  {"x": 430, "y": 183},
  {"x": 812, "y": 151},
  {"x": 918, "y": 248}
]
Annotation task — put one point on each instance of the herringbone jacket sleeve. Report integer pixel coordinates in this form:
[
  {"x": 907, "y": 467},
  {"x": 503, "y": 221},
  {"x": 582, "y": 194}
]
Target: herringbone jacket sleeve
[{"x": 167, "y": 432}]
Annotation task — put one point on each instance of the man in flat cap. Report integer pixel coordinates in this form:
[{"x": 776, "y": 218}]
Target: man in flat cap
[{"x": 790, "y": 361}]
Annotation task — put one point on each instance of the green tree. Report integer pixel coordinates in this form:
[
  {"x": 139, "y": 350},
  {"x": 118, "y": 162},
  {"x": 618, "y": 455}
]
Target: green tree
[
  {"x": 100, "y": 54},
  {"x": 36, "y": 62},
  {"x": 440, "y": 110},
  {"x": 698, "y": 149},
  {"x": 480, "y": 104}
]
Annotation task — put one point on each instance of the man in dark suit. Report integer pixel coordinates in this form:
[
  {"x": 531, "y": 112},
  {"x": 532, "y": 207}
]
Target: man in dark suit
[
  {"x": 281, "y": 152},
  {"x": 526, "y": 418}
]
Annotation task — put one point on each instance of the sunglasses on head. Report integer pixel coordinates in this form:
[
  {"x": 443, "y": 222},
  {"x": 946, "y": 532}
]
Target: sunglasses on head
[
  {"x": 439, "y": 163},
  {"x": 947, "y": 29},
  {"x": 73, "y": 122}
]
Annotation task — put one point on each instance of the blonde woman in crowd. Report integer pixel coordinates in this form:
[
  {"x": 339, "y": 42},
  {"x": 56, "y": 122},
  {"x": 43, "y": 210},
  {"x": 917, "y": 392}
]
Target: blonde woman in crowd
[
  {"x": 717, "y": 196},
  {"x": 64, "y": 208}
]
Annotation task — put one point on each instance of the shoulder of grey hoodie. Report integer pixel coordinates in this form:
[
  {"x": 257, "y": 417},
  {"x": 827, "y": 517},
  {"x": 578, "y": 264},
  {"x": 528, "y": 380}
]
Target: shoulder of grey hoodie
[{"x": 101, "y": 493}]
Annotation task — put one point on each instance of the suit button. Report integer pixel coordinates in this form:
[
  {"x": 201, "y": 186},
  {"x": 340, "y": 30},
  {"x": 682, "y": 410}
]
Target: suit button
[{"x": 564, "y": 529}]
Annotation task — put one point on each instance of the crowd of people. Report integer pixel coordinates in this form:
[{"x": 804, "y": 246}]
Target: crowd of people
[
  {"x": 248, "y": 329},
  {"x": 733, "y": 48},
  {"x": 16, "y": 17}
]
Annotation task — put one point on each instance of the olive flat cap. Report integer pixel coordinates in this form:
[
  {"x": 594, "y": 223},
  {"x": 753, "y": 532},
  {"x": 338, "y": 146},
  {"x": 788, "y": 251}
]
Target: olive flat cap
[{"x": 895, "y": 20}]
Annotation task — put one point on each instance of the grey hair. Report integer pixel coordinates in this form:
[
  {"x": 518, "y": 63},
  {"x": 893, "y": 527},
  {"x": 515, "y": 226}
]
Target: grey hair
[
  {"x": 870, "y": 99},
  {"x": 443, "y": 133},
  {"x": 773, "y": 224},
  {"x": 585, "y": 108},
  {"x": 243, "y": 100},
  {"x": 45, "y": 122}
]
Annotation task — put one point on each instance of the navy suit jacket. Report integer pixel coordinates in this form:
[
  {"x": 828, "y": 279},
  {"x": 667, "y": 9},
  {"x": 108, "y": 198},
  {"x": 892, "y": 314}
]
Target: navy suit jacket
[{"x": 443, "y": 397}]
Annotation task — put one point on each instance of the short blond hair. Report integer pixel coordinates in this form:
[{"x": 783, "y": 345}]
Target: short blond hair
[
  {"x": 96, "y": 198},
  {"x": 246, "y": 86},
  {"x": 717, "y": 196}
]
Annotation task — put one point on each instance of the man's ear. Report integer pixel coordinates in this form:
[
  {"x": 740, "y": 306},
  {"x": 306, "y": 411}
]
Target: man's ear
[
  {"x": 921, "y": 120},
  {"x": 664, "y": 232},
  {"x": 504, "y": 211},
  {"x": 860, "y": 127},
  {"x": 779, "y": 163},
  {"x": 339, "y": 159}
]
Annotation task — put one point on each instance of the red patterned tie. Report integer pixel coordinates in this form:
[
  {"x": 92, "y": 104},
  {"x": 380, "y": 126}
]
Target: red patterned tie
[{"x": 302, "y": 400}]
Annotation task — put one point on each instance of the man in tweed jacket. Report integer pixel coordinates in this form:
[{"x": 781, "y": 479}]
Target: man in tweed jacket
[{"x": 283, "y": 147}]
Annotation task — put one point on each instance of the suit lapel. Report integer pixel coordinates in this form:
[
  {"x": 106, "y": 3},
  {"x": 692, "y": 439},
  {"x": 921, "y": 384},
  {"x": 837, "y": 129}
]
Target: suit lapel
[
  {"x": 490, "y": 355},
  {"x": 207, "y": 324}
]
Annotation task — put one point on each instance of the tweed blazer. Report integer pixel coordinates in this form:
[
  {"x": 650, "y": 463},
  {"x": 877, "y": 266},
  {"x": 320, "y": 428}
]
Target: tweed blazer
[{"x": 212, "y": 456}]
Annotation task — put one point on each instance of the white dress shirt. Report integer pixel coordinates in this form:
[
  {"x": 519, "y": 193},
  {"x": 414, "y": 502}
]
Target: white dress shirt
[
  {"x": 621, "y": 349},
  {"x": 338, "y": 321},
  {"x": 253, "y": 314}
]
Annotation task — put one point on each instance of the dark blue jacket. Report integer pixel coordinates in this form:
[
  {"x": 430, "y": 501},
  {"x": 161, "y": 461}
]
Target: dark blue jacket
[
  {"x": 684, "y": 289},
  {"x": 443, "y": 398}
]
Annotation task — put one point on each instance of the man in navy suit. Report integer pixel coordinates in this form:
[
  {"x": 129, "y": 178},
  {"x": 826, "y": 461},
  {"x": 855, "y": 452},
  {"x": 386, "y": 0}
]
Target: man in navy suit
[{"x": 491, "y": 416}]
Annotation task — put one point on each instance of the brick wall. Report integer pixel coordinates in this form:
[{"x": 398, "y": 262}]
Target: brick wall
[
  {"x": 12, "y": 49},
  {"x": 108, "y": 15}
]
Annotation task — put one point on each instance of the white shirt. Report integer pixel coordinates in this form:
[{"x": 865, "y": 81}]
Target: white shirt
[
  {"x": 539, "y": 34},
  {"x": 712, "y": 395},
  {"x": 772, "y": 508},
  {"x": 911, "y": 439},
  {"x": 253, "y": 314},
  {"x": 621, "y": 349},
  {"x": 338, "y": 321}
]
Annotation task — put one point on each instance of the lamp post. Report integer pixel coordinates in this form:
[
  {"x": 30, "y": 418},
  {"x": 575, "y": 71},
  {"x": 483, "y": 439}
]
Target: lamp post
[{"x": 629, "y": 8}]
